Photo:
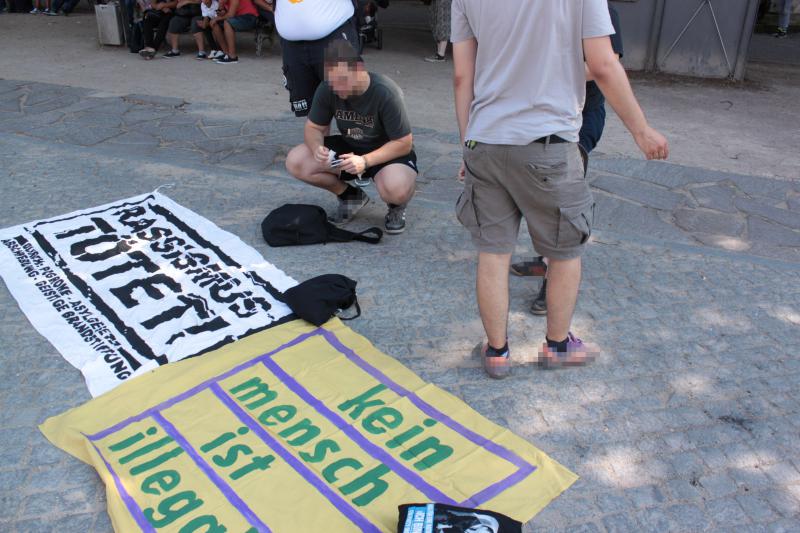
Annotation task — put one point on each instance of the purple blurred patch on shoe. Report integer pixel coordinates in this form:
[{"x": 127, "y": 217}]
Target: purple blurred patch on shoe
[{"x": 578, "y": 354}]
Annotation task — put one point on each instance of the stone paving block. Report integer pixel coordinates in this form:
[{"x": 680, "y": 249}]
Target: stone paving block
[
  {"x": 144, "y": 114},
  {"x": 762, "y": 187},
  {"x": 9, "y": 85},
  {"x": 11, "y": 103},
  {"x": 726, "y": 512},
  {"x": 783, "y": 473},
  {"x": 135, "y": 137},
  {"x": 762, "y": 231},
  {"x": 186, "y": 132},
  {"x": 654, "y": 519},
  {"x": 48, "y": 105},
  {"x": 717, "y": 197},
  {"x": 93, "y": 119},
  {"x": 222, "y": 132},
  {"x": 687, "y": 517},
  {"x": 718, "y": 485},
  {"x": 622, "y": 217},
  {"x": 781, "y": 216},
  {"x": 695, "y": 221},
  {"x": 153, "y": 100},
  {"x": 783, "y": 526},
  {"x": 621, "y": 523},
  {"x": 643, "y": 193}
]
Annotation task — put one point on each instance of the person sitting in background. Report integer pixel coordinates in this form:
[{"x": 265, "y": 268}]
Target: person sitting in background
[
  {"x": 154, "y": 25},
  {"x": 236, "y": 15},
  {"x": 185, "y": 13},
  {"x": 62, "y": 7},
  {"x": 201, "y": 30},
  {"x": 37, "y": 7}
]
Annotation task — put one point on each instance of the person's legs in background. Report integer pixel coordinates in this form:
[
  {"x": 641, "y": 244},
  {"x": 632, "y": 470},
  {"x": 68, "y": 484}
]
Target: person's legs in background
[
  {"x": 440, "y": 26},
  {"x": 784, "y": 17}
]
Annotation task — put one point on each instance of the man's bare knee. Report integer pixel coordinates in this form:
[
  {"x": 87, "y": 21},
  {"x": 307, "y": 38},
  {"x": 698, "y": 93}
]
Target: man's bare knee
[{"x": 296, "y": 160}]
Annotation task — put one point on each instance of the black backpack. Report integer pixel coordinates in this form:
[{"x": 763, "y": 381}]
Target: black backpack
[
  {"x": 296, "y": 224},
  {"x": 318, "y": 299}
]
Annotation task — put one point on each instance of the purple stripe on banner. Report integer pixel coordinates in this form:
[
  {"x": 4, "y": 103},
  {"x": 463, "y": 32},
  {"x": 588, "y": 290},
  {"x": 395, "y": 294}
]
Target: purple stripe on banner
[
  {"x": 197, "y": 389},
  {"x": 494, "y": 490},
  {"x": 437, "y": 415},
  {"x": 311, "y": 477},
  {"x": 130, "y": 503},
  {"x": 375, "y": 451},
  {"x": 226, "y": 489}
]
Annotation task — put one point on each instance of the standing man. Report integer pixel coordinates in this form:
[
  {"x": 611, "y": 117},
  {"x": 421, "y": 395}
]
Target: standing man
[
  {"x": 375, "y": 139},
  {"x": 518, "y": 104},
  {"x": 594, "y": 122},
  {"x": 306, "y": 27}
]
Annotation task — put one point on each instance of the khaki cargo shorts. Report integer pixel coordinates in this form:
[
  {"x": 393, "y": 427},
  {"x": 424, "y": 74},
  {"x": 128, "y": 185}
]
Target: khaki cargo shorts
[{"x": 542, "y": 182}]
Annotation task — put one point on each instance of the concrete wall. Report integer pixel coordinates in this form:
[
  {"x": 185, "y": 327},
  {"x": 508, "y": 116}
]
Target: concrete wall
[{"x": 650, "y": 29}]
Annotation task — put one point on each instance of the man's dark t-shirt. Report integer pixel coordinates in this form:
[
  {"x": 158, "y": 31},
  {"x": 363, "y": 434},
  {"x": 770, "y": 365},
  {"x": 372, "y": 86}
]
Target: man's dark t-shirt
[
  {"x": 368, "y": 121},
  {"x": 594, "y": 111}
]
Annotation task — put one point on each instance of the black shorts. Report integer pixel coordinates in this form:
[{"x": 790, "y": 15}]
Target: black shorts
[
  {"x": 338, "y": 144},
  {"x": 304, "y": 65}
]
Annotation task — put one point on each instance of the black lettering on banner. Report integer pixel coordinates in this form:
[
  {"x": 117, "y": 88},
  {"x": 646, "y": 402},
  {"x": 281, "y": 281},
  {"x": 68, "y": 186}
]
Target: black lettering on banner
[
  {"x": 138, "y": 344},
  {"x": 125, "y": 293}
]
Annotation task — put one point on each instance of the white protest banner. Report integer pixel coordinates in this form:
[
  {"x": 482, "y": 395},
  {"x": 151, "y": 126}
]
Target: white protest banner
[{"x": 123, "y": 288}]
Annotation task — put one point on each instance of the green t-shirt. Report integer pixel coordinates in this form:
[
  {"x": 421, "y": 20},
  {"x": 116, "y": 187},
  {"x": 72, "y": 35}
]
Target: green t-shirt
[{"x": 368, "y": 121}]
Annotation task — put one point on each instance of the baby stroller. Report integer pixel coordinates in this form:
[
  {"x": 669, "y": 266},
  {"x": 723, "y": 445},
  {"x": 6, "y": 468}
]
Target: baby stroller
[{"x": 367, "y": 17}]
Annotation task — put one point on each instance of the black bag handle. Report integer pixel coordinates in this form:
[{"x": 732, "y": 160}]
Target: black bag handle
[{"x": 371, "y": 235}]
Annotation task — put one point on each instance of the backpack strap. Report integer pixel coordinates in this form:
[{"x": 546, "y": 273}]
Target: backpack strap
[
  {"x": 371, "y": 235},
  {"x": 358, "y": 312}
]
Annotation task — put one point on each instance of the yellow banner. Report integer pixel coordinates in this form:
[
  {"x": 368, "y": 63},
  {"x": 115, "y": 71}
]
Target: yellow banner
[{"x": 296, "y": 429}]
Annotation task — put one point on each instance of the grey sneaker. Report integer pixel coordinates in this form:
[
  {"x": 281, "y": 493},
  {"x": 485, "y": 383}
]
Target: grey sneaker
[
  {"x": 436, "y": 58},
  {"x": 539, "y": 305},
  {"x": 395, "y": 221},
  {"x": 348, "y": 208}
]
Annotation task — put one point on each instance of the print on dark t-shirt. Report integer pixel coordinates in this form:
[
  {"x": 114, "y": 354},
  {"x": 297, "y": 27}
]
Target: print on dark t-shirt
[{"x": 368, "y": 121}]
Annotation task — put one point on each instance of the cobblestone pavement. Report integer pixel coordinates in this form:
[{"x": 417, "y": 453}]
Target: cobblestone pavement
[{"x": 688, "y": 422}]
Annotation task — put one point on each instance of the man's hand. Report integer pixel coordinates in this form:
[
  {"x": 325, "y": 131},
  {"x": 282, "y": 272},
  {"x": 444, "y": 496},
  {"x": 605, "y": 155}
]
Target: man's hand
[
  {"x": 353, "y": 164},
  {"x": 322, "y": 154},
  {"x": 652, "y": 144},
  {"x": 462, "y": 172}
]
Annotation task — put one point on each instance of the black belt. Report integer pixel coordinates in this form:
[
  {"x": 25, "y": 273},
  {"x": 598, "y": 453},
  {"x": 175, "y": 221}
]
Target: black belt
[{"x": 551, "y": 139}]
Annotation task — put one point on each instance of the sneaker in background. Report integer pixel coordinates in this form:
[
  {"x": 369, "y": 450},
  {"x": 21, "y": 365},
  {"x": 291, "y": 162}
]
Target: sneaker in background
[
  {"x": 436, "y": 58},
  {"x": 226, "y": 60},
  {"x": 171, "y": 54}
]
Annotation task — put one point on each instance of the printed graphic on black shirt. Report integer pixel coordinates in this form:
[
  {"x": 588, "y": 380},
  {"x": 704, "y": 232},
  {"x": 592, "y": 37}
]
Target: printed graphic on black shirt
[{"x": 368, "y": 121}]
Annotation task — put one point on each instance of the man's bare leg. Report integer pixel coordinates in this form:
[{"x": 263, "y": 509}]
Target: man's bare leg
[
  {"x": 492, "y": 288},
  {"x": 563, "y": 281}
]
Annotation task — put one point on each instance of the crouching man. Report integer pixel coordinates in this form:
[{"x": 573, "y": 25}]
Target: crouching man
[{"x": 375, "y": 139}]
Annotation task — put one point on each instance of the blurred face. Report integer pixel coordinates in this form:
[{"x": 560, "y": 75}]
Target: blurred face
[{"x": 341, "y": 78}]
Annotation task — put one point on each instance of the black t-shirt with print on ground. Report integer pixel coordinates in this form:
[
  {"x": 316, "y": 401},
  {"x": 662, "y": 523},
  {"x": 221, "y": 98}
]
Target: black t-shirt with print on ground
[{"x": 368, "y": 121}]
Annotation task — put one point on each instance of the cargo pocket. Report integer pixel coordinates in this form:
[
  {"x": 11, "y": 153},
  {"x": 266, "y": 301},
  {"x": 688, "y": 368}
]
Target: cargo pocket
[
  {"x": 575, "y": 225},
  {"x": 465, "y": 210}
]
